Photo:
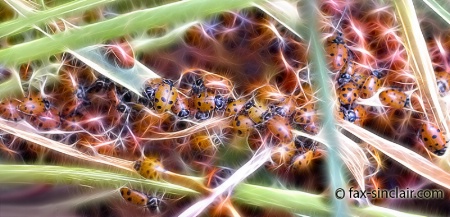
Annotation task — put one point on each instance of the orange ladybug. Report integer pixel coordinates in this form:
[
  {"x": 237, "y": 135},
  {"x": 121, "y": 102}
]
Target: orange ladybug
[
  {"x": 394, "y": 98},
  {"x": 181, "y": 107},
  {"x": 443, "y": 81},
  {"x": 337, "y": 52},
  {"x": 370, "y": 87},
  {"x": 280, "y": 128},
  {"x": 234, "y": 106},
  {"x": 356, "y": 115},
  {"x": 258, "y": 113},
  {"x": 149, "y": 167},
  {"x": 46, "y": 121},
  {"x": 242, "y": 125},
  {"x": 305, "y": 115},
  {"x": 8, "y": 110},
  {"x": 285, "y": 108},
  {"x": 348, "y": 93},
  {"x": 433, "y": 138},
  {"x": 302, "y": 160},
  {"x": 33, "y": 105},
  {"x": 152, "y": 203}
]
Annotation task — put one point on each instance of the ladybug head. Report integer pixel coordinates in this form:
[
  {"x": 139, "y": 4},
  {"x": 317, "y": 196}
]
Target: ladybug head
[
  {"x": 183, "y": 113},
  {"x": 202, "y": 115},
  {"x": 149, "y": 93},
  {"x": 344, "y": 78},
  {"x": 46, "y": 104},
  {"x": 279, "y": 111},
  {"x": 198, "y": 86},
  {"x": 249, "y": 104},
  {"x": 377, "y": 73},
  {"x": 220, "y": 102},
  {"x": 350, "y": 115},
  {"x": 153, "y": 203},
  {"x": 442, "y": 87}
]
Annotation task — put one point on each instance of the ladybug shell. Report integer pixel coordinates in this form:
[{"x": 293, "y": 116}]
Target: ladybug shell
[
  {"x": 442, "y": 79},
  {"x": 204, "y": 102},
  {"x": 147, "y": 168},
  {"x": 348, "y": 93},
  {"x": 242, "y": 125},
  {"x": 283, "y": 154},
  {"x": 280, "y": 128},
  {"x": 285, "y": 108},
  {"x": 181, "y": 107},
  {"x": 359, "y": 78},
  {"x": 337, "y": 52},
  {"x": 370, "y": 87},
  {"x": 301, "y": 161},
  {"x": 257, "y": 113},
  {"x": 8, "y": 110},
  {"x": 305, "y": 115},
  {"x": 33, "y": 106},
  {"x": 349, "y": 68},
  {"x": 46, "y": 121},
  {"x": 432, "y": 137},
  {"x": 165, "y": 97},
  {"x": 234, "y": 107},
  {"x": 393, "y": 98},
  {"x": 134, "y": 197}
]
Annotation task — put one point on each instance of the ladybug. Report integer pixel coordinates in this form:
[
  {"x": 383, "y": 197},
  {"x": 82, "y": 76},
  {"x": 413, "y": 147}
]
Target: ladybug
[
  {"x": 394, "y": 98},
  {"x": 198, "y": 87},
  {"x": 165, "y": 96},
  {"x": 370, "y": 87},
  {"x": 282, "y": 155},
  {"x": 337, "y": 51},
  {"x": 149, "y": 167},
  {"x": 33, "y": 105},
  {"x": 8, "y": 110},
  {"x": 181, "y": 107},
  {"x": 206, "y": 102},
  {"x": 433, "y": 138},
  {"x": 258, "y": 113},
  {"x": 280, "y": 128},
  {"x": 305, "y": 115},
  {"x": 286, "y": 108},
  {"x": 234, "y": 106},
  {"x": 348, "y": 93},
  {"x": 140, "y": 199},
  {"x": 443, "y": 81},
  {"x": 356, "y": 115},
  {"x": 242, "y": 125},
  {"x": 359, "y": 78},
  {"x": 120, "y": 55},
  {"x": 46, "y": 121},
  {"x": 301, "y": 161},
  {"x": 346, "y": 73}
]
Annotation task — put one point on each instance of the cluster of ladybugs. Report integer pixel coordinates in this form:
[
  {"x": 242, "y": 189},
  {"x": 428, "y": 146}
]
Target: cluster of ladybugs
[
  {"x": 277, "y": 118},
  {"x": 352, "y": 84}
]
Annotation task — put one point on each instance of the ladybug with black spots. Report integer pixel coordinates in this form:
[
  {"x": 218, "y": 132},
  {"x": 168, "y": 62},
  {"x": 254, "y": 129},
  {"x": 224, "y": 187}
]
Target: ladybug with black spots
[
  {"x": 282, "y": 155},
  {"x": 242, "y": 125},
  {"x": 443, "y": 81},
  {"x": 348, "y": 93},
  {"x": 149, "y": 167},
  {"x": 49, "y": 120},
  {"x": 8, "y": 110},
  {"x": 356, "y": 115},
  {"x": 371, "y": 85},
  {"x": 33, "y": 105},
  {"x": 152, "y": 203},
  {"x": 234, "y": 106},
  {"x": 280, "y": 128},
  {"x": 337, "y": 51},
  {"x": 162, "y": 96},
  {"x": 181, "y": 108},
  {"x": 257, "y": 112},
  {"x": 305, "y": 115},
  {"x": 206, "y": 101},
  {"x": 394, "y": 98},
  {"x": 433, "y": 138},
  {"x": 346, "y": 73},
  {"x": 302, "y": 161},
  {"x": 285, "y": 108}
]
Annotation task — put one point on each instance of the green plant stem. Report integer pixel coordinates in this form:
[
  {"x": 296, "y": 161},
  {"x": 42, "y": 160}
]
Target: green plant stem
[
  {"x": 295, "y": 201},
  {"x": 22, "y": 24},
  {"x": 179, "y": 12},
  {"x": 326, "y": 103},
  {"x": 444, "y": 14}
]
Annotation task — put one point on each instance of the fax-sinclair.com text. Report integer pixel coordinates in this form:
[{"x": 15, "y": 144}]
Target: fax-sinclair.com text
[{"x": 395, "y": 193}]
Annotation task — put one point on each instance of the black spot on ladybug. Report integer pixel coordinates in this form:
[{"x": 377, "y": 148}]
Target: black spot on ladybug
[{"x": 163, "y": 99}]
